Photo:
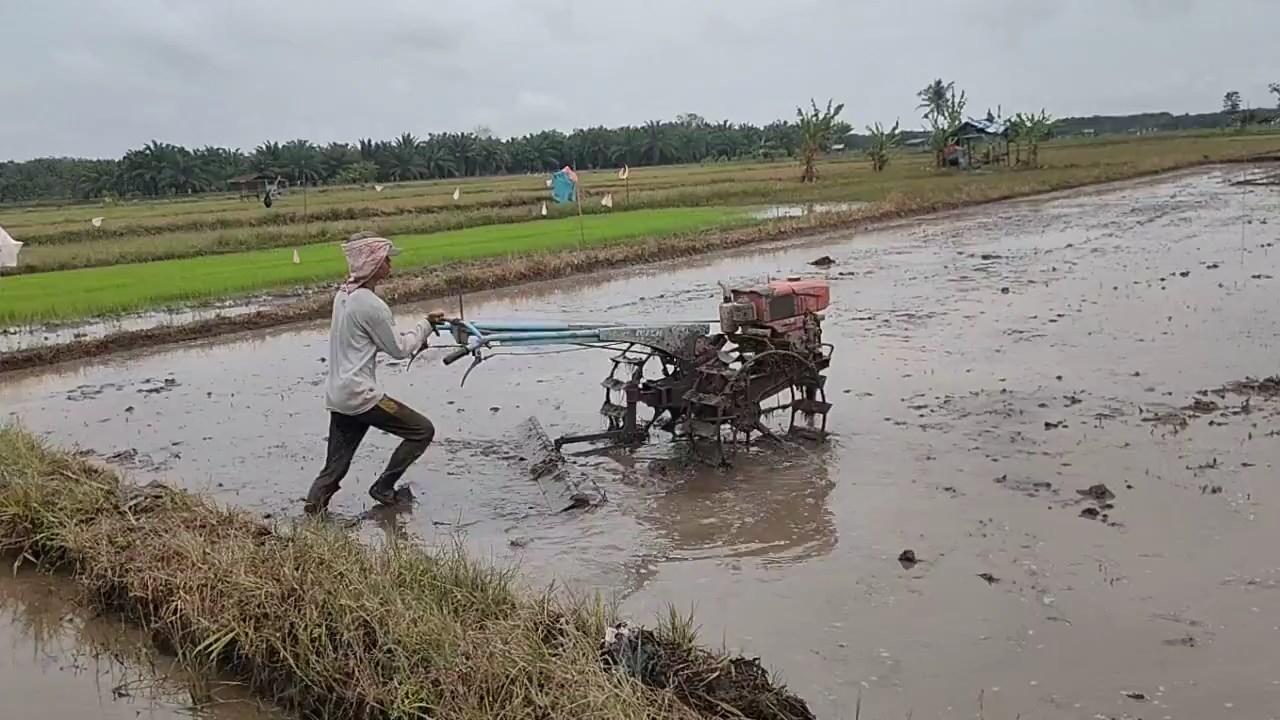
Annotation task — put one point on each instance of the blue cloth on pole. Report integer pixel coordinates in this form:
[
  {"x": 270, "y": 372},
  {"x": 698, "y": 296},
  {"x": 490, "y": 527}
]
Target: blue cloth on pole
[{"x": 563, "y": 188}]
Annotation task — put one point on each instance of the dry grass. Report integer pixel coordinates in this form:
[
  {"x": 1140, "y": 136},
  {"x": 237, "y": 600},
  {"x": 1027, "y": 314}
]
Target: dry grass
[{"x": 312, "y": 620}]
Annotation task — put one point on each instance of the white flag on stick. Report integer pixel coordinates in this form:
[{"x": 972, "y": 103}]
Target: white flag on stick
[
  {"x": 624, "y": 173},
  {"x": 377, "y": 188},
  {"x": 296, "y": 259},
  {"x": 457, "y": 192},
  {"x": 544, "y": 208},
  {"x": 9, "y": 249},
  {"x": 97, "y": 222},
  {"x": 607, "y": 201}
]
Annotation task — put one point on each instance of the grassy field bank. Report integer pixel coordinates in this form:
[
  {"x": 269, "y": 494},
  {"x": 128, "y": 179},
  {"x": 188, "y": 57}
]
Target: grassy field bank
[
  {"x": 78, "y": 294},
  {"x": 314, "y": 621},
  {"x": 63, "y": 238}
]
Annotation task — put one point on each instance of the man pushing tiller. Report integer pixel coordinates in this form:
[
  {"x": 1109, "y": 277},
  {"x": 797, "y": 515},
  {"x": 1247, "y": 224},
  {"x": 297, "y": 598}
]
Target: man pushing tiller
[{"x": 361, "y": 326}]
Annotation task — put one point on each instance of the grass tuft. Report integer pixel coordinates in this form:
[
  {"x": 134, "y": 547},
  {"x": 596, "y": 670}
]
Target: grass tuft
[{"x": 309, "y": 618}]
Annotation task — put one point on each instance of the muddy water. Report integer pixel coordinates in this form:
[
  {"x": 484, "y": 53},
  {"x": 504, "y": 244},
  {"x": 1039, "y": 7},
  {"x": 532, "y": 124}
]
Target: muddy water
[
  {"x": 990, "y": 365},
  {"x": 57, "y": 662}
]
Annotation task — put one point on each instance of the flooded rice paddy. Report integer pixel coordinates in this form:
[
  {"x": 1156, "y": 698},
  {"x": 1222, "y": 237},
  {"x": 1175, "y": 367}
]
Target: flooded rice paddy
[{"x": 1024, "y": 398}]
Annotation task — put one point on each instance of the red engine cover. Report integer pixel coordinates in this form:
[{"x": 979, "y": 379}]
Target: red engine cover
[{"x": 782, "y": 299}]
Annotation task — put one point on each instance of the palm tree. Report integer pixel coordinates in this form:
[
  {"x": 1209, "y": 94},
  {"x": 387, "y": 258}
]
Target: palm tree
[
  {"x": 435, "y": 160},
  {"x": 933, "y": 98},
  {"x": 267, "y": 159},
  {"x": 335, "y": 158},
  {"x": 657, "y": 141},
  {"x": 944, "y": 112},
  {"x": 404, "y": 159},
  {"x": 462, "y": 150},
  {"x": 722, "y": 140},
  {"x": 628, "y": 146},
  {"x": 99, "y": 180},
  {"x": 368, "y": 149},
  {"x": 815, "y": 136},
  {"x": 302, "y": 161},
  {"x": 783, "y": 136}
]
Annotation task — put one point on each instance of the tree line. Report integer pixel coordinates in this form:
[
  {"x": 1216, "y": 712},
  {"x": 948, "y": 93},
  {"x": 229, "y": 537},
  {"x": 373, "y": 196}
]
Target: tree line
[
  {"x": 161, "y": 169},
  {"x": 1240, "y": 116}
]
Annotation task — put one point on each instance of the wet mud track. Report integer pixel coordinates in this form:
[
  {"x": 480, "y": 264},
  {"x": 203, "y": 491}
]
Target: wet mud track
[{"x": 1033, "y": 397}]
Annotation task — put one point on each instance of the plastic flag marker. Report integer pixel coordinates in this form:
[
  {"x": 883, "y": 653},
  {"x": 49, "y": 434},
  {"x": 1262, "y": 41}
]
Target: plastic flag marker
[{"x": 9, "y": 249}]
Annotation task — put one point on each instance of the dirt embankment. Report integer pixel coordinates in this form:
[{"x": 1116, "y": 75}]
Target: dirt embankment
[
  {"x": 313, "y": 303},
  {"x": 315, "y": 621}
]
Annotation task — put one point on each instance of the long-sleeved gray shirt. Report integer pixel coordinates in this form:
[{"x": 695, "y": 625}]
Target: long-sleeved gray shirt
[{"x": 362, "y": 325}]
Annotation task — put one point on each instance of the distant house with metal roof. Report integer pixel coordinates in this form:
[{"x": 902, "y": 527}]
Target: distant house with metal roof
[
  {"x": 993, "y": 132},
  {"x": 985, "y": 128}
]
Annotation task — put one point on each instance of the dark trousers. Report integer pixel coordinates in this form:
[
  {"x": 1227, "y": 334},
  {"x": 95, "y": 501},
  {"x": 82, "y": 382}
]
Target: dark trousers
[{"x": 346, "y": 432}]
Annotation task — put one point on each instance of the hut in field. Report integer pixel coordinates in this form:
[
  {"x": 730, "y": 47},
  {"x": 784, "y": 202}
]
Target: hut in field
[
  {"x": 987, "y": 139},
  {"x": 256, "y": 185}
]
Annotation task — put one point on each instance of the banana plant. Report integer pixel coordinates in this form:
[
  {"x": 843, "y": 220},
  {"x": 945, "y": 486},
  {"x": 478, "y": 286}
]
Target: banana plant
[
  {"x": 816, "y": 131},
  {"x": 882, "y": 141},
  {"x": 1030, "y": 130}
]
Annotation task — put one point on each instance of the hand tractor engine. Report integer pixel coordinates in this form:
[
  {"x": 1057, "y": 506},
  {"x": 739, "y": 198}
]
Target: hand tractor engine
[{"x": 714, "y": 389}]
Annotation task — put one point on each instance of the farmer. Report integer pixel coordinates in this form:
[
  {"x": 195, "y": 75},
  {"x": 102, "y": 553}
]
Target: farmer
[{"x": 361, "y": 326}]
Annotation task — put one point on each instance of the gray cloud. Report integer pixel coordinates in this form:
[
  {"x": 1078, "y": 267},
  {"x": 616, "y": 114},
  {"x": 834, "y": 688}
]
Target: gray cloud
[{"x": 93, "y": 77}]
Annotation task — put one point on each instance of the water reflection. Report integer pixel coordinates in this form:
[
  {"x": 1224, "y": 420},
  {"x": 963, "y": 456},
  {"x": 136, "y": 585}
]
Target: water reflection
[
  {"x": 770, "y": 507},
  {"x": 63, "y": 663},
  {"x": 786, "y": 211}
]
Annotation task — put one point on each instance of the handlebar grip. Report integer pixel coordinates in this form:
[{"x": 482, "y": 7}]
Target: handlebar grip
[{"x": 456, "y": 355}]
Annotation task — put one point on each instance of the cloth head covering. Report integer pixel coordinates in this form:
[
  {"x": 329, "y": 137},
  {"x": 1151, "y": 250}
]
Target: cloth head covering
[{"x": 365, "y": 252}]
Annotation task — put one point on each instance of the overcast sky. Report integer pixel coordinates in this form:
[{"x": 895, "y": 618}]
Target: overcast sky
[{"x": 96, "y": 77}]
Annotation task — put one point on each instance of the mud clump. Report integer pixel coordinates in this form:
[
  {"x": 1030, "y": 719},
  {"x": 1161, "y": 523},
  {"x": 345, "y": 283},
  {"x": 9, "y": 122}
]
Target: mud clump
[
  {"x": 1102, "y": 496},
  {"x": 1098, "y": 492},
  {"x": 823, "y": 262},
  {"x": 1030, "y": 488},
  {"x": 712, "y": 686},
  {"x": 908, "y": 559},
  {"x": 1201, "y": 406},
  {"x": 1268, "y": 387}
]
